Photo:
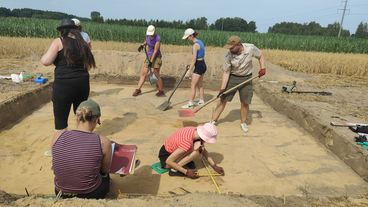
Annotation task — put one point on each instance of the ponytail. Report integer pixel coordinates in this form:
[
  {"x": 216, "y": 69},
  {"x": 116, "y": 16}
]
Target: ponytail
[{"x": 85, "y": 115}]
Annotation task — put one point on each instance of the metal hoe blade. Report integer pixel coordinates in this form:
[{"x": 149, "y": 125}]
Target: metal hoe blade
[
  {"x": 166, "y": 105},
  {"x": 152, "y": 77}
]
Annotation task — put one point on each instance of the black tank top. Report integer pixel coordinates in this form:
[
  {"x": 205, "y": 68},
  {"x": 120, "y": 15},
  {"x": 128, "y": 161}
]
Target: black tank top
[{"x": 64, "y": 70}]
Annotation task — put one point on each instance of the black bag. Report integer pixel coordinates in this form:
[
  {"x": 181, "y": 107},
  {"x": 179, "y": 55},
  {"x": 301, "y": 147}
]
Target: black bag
[
  {"x": 361, "y": 138},
  {"x": 360, "y": 129}
]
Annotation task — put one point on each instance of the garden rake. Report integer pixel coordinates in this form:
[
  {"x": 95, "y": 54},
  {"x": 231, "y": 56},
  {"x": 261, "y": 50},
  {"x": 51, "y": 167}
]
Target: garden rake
[{"x": 191, "y": 112}]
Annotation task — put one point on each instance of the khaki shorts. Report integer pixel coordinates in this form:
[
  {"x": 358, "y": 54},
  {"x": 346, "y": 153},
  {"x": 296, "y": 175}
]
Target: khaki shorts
[
  {"x": 157, "y": 63},
  {"x": 245, "y": 92}
]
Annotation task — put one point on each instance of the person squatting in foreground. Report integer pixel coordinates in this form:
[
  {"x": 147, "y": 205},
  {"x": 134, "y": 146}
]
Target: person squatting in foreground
[
  {"x": 238, "y": 68},
  {"x": 73, "y": 59},
  {"x": 185, "y": 145},
  {"x": 81, "y": 159}
]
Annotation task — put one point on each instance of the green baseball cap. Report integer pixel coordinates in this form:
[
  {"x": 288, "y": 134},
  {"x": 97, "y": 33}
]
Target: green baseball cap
[{"x": 92, "y": 106}]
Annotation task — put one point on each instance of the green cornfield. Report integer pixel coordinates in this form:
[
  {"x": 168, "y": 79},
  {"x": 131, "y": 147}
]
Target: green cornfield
[{"x": 28, "y": 27}]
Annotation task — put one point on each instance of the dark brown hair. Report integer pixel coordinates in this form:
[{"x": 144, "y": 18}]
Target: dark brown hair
[{"x": 85, "y": 55}]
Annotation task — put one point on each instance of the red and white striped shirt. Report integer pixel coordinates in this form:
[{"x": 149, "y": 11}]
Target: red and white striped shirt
[{"x": 181, "y": 139}]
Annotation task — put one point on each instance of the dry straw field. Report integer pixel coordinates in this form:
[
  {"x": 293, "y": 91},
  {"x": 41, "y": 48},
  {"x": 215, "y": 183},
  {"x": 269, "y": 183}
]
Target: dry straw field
[{"x": 308, "y": 62}]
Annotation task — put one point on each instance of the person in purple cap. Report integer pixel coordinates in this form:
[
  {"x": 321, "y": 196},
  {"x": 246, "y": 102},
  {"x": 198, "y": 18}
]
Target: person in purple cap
[
  {"x": 153, "y": 41},
  {"x": 186, "y": 144}
]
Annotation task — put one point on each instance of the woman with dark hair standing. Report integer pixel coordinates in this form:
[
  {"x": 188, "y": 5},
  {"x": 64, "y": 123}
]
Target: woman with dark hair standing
[
  {"x": 73, "y": 59},
  {"x": 198, "y": 65}
]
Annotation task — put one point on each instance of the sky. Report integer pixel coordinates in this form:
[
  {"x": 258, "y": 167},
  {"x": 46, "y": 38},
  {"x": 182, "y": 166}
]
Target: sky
[{"x": 265, "y": 13}]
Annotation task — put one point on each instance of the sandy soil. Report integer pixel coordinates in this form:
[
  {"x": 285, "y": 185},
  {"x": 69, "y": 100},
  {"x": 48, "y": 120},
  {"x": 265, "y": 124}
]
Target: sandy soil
[
  {"x": 276, "y": 159},
  {"x": 283, "y": 161}
]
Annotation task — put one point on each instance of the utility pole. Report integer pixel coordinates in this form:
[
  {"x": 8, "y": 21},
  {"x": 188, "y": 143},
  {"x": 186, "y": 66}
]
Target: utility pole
[{"x": 342, "y": 18}]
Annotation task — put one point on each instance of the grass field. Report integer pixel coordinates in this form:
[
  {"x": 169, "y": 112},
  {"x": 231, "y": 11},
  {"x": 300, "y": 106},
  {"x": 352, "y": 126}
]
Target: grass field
[
  {"x": 28, "y": 27},
  {"x": 309, "y": 62}
]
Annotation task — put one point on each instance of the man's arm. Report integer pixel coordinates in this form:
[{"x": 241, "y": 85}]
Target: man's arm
[
  {"x": 226, "y": 73},
  {"x": 262, "y": 66},
  {"x": 261, "y": 61}
]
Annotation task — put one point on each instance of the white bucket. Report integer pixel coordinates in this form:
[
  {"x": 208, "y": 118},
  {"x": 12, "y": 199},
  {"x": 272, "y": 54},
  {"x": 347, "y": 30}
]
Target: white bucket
[{"x": 15, "y": 78}]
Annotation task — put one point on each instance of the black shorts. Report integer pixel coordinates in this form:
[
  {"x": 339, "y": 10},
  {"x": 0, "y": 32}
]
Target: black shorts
[
  {"x": 200, "y": 67},
  {"x": 163, "y": 155}
]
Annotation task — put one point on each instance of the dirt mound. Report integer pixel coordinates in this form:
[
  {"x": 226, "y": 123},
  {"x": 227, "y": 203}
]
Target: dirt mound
[{"x": 191, "y": 199}]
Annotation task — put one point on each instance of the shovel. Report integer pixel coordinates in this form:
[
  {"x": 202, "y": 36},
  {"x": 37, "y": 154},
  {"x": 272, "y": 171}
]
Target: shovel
[
  {"x": 190, "y": 112},
  {"x": 152, "y": 77},
  {"x": 166, "y": 105}
]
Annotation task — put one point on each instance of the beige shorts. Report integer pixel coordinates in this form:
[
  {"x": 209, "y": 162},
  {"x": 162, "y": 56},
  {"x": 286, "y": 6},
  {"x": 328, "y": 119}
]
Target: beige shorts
[
  {"x": 157, "y": 63},
  {"x": 245, "y": 91}
]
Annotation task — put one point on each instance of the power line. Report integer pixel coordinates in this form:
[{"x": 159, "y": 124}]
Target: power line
[{"x": 342, "y": 18}]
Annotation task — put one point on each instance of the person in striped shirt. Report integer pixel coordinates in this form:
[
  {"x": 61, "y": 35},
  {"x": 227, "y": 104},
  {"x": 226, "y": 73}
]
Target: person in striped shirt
[
  {"x": 81, "y": 159},
  {"x": 186, "y": 144}
]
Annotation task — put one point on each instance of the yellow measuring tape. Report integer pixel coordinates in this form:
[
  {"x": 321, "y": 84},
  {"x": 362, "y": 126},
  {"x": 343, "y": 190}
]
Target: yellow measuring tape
[{"x": 211, "y": 175}]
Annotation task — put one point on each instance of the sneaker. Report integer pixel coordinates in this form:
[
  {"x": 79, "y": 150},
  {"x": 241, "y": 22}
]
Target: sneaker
[
  {"x": 175, "y": 173},
  {"x": 244, "y": 127},
  {"x": 213, "y": 122},
  {"x": 200, "y": 102},
  {"x": 191, "y": 165},
  {"x": 189, "y": 105},
  {"x": 160, "y": 93},
  {"x": 137, "y": 92}
]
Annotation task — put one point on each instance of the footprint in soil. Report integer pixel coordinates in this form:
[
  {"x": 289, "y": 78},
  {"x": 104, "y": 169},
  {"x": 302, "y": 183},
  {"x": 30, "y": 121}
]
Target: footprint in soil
[{"x": 112, "y": 126}]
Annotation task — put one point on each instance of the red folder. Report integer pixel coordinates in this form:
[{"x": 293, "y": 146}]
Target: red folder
[{"x": 123, "y": 159}]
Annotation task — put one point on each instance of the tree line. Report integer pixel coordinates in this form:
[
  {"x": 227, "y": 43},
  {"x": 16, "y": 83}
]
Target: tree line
[
  {"x": 235, "y": 24},
  {"x": 34, "y": 13},
  {"x": 314, "y": 28}
]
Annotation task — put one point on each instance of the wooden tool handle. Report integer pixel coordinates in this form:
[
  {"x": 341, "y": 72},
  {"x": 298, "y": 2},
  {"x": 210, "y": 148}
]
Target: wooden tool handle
[{"x": 226, "y": 92}]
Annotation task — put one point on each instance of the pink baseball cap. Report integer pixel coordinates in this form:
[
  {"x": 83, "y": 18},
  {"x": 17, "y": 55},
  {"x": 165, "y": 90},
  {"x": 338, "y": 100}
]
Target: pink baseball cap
[{"x": 207, "y": 132}]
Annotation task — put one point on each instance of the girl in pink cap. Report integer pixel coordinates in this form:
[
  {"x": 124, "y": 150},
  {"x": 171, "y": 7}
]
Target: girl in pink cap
[{"x": 186, "y": 144}]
